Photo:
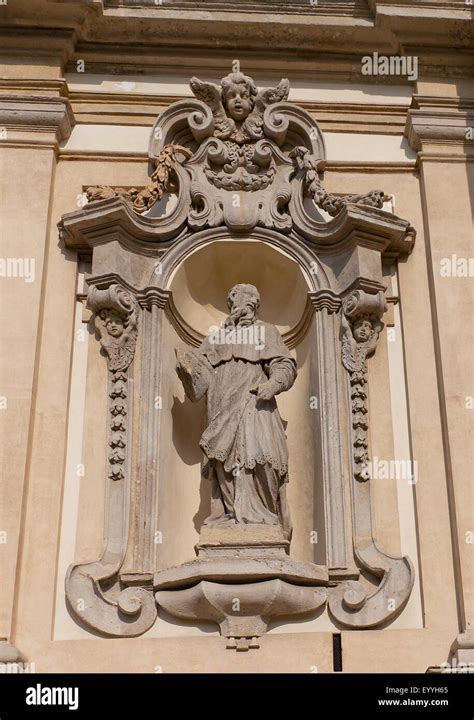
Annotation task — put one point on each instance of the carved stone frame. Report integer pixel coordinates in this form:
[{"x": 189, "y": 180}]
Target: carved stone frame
[{"x": 347, "y": 251}]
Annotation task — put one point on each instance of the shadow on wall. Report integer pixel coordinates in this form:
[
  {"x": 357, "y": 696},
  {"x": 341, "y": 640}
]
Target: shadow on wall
[{"x": 189, "y": 422}]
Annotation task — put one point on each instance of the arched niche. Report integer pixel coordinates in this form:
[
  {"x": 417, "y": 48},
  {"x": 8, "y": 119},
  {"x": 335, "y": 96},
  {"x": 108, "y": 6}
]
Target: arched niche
[
  {"x": 197, "y": 284},
  {"x": 200, "y": 284}
]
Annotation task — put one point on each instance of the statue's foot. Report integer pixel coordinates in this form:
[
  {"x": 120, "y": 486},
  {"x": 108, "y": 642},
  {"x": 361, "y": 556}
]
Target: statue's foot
[{"x": 224, "y": 520}]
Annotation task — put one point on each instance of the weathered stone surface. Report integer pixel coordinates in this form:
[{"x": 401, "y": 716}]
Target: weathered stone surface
[
  {"x": 241, "y": 367},
  {"x": 244, "y": 610},
  {"x": 242, "y": 161},
  {"x": 216, "y": 536},
  {"x": 350, "y": 603},
  {"x": 237, "y": 565},
  {"x": 131, "y": 611}
]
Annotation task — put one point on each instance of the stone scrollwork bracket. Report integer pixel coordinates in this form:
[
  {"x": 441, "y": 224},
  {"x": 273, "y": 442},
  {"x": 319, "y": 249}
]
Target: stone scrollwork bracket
[
  {"x": 350, "y": 603},
  {"x": 93, "y": 589}
]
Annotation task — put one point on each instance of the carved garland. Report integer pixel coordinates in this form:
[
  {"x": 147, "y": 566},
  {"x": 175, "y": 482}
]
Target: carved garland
[
  {"x": 164, "y": 179},
  {"x": 313, "y": 187}
]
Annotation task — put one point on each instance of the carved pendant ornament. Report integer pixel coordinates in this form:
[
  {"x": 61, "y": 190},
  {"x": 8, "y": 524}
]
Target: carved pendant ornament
[
  {"x": 116, "y": 319},
  {"x": 361, "y": 327},
  {"x": 242, "y": 162}
]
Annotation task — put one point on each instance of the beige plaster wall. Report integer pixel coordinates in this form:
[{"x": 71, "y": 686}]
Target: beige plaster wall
[
  {"x": 24, "y": 224},
  {"x": 420, "y": 384},
  {"x": 450, "y": 231}
]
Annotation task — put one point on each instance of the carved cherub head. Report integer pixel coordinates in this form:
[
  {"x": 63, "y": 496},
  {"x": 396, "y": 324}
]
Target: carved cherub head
[
  {"x": 365, "y": 327},
  {"x": 238, "y": 95},
  {"x": 243, "y": 301},
  {"x": 113, "y": 321}
]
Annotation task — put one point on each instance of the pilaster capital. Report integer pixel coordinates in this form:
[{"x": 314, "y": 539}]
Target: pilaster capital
[
  {"x": 35, "y": 119},
  {"x": 440, "y": 121}
]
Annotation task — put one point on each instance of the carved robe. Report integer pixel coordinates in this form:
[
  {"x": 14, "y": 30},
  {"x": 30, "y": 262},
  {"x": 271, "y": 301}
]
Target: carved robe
[{"x": 244, "y": 444}]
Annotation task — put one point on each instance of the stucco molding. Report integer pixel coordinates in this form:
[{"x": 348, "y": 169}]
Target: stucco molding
[
  {"x": 28, "y": 113},
  {"x": 131, "y": 610},
  {"x": 350, "y": 603},
  {"x": 439, "y": 121},
  {"x": 245, "y": 166}
]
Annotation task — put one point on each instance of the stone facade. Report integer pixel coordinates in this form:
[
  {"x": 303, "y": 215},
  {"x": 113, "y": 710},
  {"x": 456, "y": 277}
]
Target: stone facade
[{"x": 150, "y": 161}]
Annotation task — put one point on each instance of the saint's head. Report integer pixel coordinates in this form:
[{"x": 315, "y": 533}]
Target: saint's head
[
  {"x": 238, "y": 95},
  {"x": 243, "y": 301}
]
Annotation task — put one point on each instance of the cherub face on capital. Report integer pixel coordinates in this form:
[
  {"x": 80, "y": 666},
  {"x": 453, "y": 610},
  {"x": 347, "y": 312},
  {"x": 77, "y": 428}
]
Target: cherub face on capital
[
  {"x": 362, "y": 329},
  {"x": 238, "y": 95},
  {"x": 113, "y": 322}
]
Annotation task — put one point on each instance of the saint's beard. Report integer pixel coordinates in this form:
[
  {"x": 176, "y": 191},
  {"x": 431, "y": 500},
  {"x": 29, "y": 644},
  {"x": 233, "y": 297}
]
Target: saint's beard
[{"x": 241, "y": 315}]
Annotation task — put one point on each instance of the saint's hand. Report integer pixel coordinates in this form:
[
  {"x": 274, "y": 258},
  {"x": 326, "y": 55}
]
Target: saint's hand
[{"x": 265, "y": 391}]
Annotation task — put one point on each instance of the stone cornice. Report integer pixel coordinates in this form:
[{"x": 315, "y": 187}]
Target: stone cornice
[
  {"x": 36, "y": 113},
  {"x": 340, "y": 8},
  {"x": 99, "y": 222},
  {"x": 132, "y": 36},
  {"x": 130, "y": 108},
  {"x": 439, "y": 121},
  {"x": 368, "y": 227},
  {"x": 428, "y": 8},
  {"x": 34, "y": 87},
  {"x": 423, "y": 102}
]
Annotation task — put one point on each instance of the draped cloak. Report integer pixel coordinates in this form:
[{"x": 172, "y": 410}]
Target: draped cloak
[{"x": 244, "y": 444}]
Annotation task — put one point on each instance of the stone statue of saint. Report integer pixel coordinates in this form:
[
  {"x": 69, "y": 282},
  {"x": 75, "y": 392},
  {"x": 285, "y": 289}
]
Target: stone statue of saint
[{"x": 241, "y": 367}]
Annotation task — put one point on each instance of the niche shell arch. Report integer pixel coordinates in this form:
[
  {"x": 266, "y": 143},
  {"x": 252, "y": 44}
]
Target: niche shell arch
[{"x": 310, "y": 269}]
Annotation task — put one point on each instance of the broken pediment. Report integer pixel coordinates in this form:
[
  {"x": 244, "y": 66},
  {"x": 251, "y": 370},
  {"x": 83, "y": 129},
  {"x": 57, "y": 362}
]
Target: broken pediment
[{"x": 241, "y": 157}]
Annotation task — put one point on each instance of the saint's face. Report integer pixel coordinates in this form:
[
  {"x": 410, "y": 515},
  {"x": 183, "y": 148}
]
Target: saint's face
[
  {"x": 241, "y": 299},
  {"x": 238, "y": 103}
]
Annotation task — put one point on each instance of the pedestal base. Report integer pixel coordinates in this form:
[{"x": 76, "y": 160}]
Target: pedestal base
[{"x": 241, "y": 579}]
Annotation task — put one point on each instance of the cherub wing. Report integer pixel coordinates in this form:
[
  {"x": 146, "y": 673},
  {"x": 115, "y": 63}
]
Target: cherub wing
[
  {"x": 265, "y": 97},
  {"x": 210, "y": 94},
  {"x": 351, "y": 359},
  {"x": 270, "y": 96}
]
